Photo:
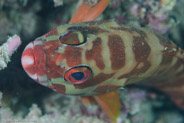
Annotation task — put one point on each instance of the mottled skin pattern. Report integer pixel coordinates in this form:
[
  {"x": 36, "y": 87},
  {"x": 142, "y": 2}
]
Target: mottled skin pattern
[{"x": 118, "y": 55}]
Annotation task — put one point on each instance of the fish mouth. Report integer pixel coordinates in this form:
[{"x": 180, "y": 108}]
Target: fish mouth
[
  {"x": 28, "y": 59},
  {"x": 34, "y": 61}
]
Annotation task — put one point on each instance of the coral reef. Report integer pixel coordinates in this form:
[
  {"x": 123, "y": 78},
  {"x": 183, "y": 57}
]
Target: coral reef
[
  {"x": 153, "y": 14},
  {"x": 156, "y": 15},
  {"x": 29, "y": 102},
  {"x": 137, "y": 107}
]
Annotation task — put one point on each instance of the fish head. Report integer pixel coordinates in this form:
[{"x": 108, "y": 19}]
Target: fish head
[
  {"x": 69, "y": 59},
  {"x": 34, "y": 61}
]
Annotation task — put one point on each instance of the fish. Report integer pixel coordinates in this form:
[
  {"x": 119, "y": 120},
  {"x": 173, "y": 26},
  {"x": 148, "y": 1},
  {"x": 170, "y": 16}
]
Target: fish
[{"x": 98, "y": 57}]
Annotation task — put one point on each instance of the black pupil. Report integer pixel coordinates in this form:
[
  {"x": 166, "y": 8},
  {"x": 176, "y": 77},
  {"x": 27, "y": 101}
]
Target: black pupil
[{"x": 77, "y": 75}]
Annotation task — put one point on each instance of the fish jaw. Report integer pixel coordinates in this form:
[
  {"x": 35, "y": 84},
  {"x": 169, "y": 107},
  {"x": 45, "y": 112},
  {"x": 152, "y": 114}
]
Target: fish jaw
[{"x": 34, "y": 61}]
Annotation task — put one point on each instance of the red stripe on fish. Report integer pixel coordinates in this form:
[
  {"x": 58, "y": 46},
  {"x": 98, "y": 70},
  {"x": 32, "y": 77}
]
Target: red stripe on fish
[
  {"x": 71, "y": 59},
  {"x": 107, "y": 88},
  {"x": 96, "y": 53},
  {"x": 59, "y": 88},
  {"x": 53, "y": 70},
  {"x": 166, "y": 60},
  {"x": 40, "y": 60},
  {"x": 136, "y": 71},
  {"x": 141, "y": 49},
  {"x": 101, "y": 77},
  {"x": 116, "y": 48},
  {"x": 141, "y": 52},
  {"x": 51, "y": 46}
]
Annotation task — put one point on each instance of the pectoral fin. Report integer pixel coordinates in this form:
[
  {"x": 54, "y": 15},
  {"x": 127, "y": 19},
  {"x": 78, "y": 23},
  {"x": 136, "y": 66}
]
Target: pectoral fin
[
  {"x": 110, "y": 103},
  {"x": 88, "y": 100}
]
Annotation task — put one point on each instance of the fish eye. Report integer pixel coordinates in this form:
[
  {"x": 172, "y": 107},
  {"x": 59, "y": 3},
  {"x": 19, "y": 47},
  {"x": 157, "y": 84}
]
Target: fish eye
[
  {"x": 78, "y": 74},
  {"x": 72, "y": 38}
]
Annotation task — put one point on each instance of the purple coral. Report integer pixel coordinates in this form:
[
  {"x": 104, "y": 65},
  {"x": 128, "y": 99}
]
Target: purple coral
[
  {"x": 155, "y": 14},
  {"x": 13, "y": 43},
  {"x": 7, "y": 49}
]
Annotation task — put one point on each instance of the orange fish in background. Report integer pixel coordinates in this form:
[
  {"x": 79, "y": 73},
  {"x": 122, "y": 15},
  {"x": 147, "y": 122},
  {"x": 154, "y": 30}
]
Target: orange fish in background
[{"x": 97, "y": 58}]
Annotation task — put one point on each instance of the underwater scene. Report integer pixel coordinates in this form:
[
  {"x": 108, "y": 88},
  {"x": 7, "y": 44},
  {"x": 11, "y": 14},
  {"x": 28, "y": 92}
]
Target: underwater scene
[{"x": 91, "y": 61}]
